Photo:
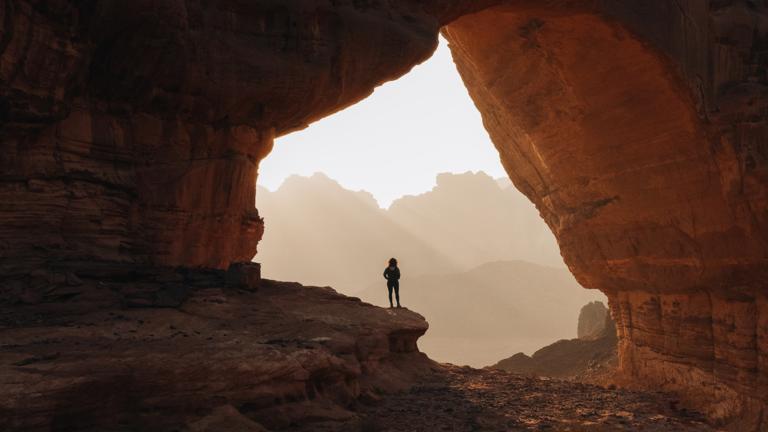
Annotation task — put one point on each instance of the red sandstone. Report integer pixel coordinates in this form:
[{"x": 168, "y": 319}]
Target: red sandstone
[{"x": 132, "y": 131}]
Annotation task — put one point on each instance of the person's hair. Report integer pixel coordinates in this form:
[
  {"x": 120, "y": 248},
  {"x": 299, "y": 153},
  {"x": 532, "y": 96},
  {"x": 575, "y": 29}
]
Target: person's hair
[{"x": 392, "y": 261}]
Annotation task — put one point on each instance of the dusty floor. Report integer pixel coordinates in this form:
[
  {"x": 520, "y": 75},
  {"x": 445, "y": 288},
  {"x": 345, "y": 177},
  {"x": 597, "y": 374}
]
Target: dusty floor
[{"x": 467, "y": 399}]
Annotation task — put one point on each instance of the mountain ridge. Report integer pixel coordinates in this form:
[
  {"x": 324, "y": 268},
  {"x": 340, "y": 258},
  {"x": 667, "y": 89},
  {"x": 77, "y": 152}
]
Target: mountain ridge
[{"x": 463, "y": 222}]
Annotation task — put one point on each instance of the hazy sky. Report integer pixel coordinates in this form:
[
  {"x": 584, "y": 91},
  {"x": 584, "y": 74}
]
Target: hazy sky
[{"x": 395, "y": 142}]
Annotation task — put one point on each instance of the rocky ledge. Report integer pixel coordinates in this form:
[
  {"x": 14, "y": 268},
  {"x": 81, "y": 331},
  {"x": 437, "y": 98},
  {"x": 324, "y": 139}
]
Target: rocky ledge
[
  {"x": 163, "y": 349},
  {"x": 232, "y": 355}
]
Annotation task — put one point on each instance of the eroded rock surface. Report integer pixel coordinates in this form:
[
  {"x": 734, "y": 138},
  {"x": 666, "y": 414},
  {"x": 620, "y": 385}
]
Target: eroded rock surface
[
  {"x": 238, "y": 356},
  {"x": 639, "y": 131},
  {"x": 131, "y": 133},
  {"x": 267, "y": 355}
]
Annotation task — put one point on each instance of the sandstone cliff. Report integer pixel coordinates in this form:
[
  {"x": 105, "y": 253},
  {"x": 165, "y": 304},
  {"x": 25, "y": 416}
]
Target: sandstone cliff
[
  {"x": 131, "y": 132},
  {"x": 639, "y": 130}
]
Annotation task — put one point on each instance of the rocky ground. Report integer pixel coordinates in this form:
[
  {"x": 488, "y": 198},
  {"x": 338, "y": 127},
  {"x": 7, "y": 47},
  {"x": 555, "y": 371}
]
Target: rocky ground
[
  {"x": 201, "y": 351},
  {"x": 464, "y": 399},
  {"x": 194, "y": 350}
]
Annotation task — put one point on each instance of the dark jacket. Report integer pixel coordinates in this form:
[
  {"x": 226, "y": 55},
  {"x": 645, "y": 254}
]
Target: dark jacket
[{"x": 392, "y": 274}]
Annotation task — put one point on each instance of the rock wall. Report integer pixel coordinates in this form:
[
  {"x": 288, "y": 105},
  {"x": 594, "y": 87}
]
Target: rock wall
[
  {"x": 110, "y": 187},
  {"x": 639, "y": 131},
  {"x": 132, "y": 131}
]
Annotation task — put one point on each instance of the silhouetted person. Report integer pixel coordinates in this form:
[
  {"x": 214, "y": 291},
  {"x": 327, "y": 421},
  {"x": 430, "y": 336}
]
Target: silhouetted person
[{"x": 392, "y": 275}]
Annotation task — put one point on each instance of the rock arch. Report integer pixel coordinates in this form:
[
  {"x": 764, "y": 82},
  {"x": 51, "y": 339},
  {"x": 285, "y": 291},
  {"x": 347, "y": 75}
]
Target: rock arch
[
  {"x": 131, "y": 134},
  {"x": 637, "y": 156}
]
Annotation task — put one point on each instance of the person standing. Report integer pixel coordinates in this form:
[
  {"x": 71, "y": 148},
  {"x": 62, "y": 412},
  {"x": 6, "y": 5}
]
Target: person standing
[{"x": 392, "y": 275}]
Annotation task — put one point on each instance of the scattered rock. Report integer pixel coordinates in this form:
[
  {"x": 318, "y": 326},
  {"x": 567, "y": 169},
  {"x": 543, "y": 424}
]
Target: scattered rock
[{"x": 464, "y": 399}]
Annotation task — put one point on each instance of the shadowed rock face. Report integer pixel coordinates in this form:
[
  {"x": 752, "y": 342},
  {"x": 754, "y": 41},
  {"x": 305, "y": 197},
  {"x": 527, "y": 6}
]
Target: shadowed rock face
[
  {"x": 640, "y": 133},
  {"x": 132, "y": 132},
  {"x": 270, "y": 352}
]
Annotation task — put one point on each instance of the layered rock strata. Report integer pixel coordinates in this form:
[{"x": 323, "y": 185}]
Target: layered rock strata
[
  {"x": 257, "y": 353},
  {"x": 130, "y": 133},
  {"x": 640, "y": 133},
  {"x": 130, "y": 137}
]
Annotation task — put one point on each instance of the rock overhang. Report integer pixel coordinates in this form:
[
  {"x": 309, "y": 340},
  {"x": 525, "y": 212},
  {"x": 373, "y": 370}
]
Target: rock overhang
[{"x": 132, "y": 132}]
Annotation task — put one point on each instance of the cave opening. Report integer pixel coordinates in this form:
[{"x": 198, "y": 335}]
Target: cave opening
[
  {"x": 411, "y": 172},
  {"x": 132, "y": 136}
]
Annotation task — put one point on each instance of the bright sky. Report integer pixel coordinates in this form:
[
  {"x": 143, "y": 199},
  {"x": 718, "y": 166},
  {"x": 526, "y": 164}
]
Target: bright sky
[{"x": 395, "y": 142}]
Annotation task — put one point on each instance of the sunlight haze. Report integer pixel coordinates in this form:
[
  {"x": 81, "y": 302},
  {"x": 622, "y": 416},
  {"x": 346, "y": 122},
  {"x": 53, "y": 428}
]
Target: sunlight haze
[
  {"x": 411, "y": 172},
  {"x": 395, "y": 142}
]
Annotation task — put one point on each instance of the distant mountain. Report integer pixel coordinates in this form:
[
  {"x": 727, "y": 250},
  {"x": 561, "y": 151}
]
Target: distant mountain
[
  {"x": 503, "y": 182},
  {"x": 590, "y": 358},
  {"x": 479, "y": 316},
  {"x": 474, "y": 219},
  {"x": 465, "y": 250},
  {"x": 592, "y": 321},
  {"x": 319, "y": 233}
]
